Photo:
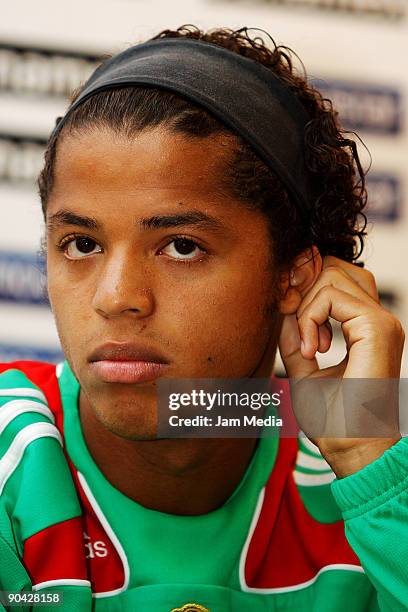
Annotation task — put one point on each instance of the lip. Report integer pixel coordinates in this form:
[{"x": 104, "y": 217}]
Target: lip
[{"x": 127, "y": 362}]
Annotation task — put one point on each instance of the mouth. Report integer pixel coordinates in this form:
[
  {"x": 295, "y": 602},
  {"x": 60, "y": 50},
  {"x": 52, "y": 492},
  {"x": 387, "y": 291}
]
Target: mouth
[{"x": 116, "y": 362}]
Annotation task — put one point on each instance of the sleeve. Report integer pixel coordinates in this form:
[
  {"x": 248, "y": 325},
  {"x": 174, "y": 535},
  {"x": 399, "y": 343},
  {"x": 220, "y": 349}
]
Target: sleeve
[
  {"x": 41, "y": 539},
  {"x": 374, "y": 505},
  {"x": 313, "y": 477},
  {"x": 13, "y": 576}
]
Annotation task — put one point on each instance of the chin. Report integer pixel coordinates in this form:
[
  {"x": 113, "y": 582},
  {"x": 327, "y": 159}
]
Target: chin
[{"x": 130, "y": 424}]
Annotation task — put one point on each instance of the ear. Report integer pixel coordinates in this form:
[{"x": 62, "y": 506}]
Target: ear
[{"x": 295, "y": 284}]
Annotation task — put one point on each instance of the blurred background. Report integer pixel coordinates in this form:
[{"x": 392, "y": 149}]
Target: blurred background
[{"x": 354, "y": 49}]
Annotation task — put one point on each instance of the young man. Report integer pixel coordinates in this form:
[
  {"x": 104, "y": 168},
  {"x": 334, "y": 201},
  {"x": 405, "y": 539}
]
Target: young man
[{"x": 201, "y": 206}]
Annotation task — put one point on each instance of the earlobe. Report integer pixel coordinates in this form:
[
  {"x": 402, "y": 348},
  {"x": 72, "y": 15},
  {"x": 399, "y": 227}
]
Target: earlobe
[
  {"x": 290, "y": 301},
  {"x": 302, "y": 276},
  {"x": 292, "y": 278},
  {"x": 306, "y": 269}
]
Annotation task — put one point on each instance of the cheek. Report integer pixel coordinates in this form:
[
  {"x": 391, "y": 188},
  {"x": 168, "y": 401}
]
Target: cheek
[
  {"x": 70, "y": 307},
  {"x": 69, "y": 289},
  {"x": 223, "y": 324}
]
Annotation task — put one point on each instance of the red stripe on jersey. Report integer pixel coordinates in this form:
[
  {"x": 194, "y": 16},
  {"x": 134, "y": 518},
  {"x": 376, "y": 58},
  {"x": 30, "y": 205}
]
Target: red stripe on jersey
[
  {"x": 288, "y": 546},
  {"x": 105, "y": 567},
  {"x": 56, "y": 552},
  {"x": 43, "y": 376}
]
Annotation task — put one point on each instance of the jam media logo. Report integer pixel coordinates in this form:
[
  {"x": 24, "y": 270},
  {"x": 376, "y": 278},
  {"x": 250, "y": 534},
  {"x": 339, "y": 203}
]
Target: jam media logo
[
  {"x": 13, "y": 352},
  {"x": 367, "y": 107},
  {"x": 384, "y": 197},
  {"x": 22, "y": 278}
]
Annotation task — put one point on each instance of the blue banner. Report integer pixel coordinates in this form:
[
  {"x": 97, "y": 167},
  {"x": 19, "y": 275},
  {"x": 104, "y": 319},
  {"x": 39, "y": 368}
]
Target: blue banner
[
  {"x": 10, "y": 352},
  {"x": 22, "y": 278},
  {"x": 384, "y": 197},
  {"x": 367, "y": 107}
]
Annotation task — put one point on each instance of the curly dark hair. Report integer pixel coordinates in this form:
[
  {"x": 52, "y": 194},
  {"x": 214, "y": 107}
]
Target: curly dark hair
[{"x": 335, "y": 172}]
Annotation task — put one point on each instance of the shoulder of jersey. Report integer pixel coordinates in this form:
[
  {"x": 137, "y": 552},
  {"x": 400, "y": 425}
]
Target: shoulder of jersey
[
  {"x": 33, "y": 469},
  {"x": 30, "y": 387}
]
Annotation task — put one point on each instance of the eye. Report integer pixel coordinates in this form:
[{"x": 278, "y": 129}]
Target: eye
[
  {"x": 183, "y": 249},
  {"x": 80, "y": 247}
]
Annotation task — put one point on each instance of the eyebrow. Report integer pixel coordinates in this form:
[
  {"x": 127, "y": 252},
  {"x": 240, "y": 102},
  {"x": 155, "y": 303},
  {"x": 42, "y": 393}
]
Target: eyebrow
[
  {"x": 193, "y": 217},
  {"x": 66, "y": 217},
  {"x": 190, "y": 217}
]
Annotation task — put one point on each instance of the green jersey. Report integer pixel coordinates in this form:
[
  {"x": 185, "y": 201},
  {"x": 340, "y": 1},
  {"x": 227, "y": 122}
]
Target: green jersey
[{"x": 291, "y": 537}]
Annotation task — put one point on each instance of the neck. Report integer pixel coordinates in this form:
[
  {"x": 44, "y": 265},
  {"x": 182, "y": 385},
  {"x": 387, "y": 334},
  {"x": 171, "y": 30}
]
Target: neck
[{"x": 183, "y": 476}]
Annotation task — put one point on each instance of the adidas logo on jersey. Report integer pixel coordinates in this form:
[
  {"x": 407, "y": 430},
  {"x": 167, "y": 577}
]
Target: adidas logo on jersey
[{"x": 94, "y": 549}]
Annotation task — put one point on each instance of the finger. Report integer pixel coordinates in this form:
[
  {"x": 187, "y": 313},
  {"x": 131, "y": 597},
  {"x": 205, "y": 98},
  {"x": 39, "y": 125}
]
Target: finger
[
  {"x": 325, "y": 337},
  {"x": 296, "y": 365},
  {"x": 335, "y": 277},
  {"x": 363, "y": 277},
  {"x": 328, "y": 302}
]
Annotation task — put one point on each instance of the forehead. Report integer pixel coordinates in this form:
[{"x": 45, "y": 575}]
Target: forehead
[
  {"x": 154, "y": 159},
  {"x": 119, "y": 182}
]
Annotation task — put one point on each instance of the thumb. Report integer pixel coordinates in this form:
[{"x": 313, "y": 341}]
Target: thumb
[{"x": 296, "y": 365}]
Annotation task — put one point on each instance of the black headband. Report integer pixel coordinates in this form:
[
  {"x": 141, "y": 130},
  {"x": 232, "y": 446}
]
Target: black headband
[{"x": 242, "y": 93}]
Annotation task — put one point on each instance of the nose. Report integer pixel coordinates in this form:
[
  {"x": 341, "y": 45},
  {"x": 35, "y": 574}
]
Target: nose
[{"x": 123, "y": 288}]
